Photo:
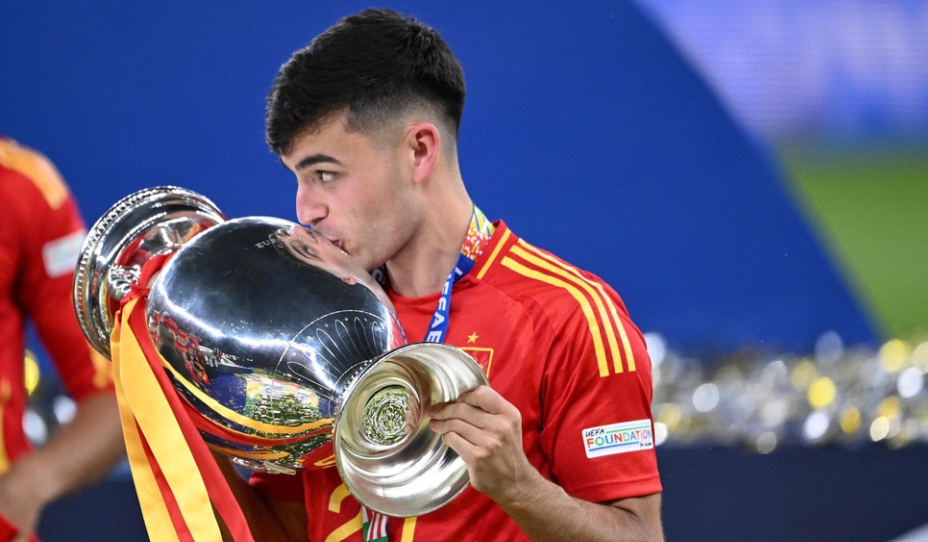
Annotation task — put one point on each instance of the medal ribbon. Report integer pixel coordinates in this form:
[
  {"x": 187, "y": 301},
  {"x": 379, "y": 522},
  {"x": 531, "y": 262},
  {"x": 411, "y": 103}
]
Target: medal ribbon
[{"x": 478, "y": 235}]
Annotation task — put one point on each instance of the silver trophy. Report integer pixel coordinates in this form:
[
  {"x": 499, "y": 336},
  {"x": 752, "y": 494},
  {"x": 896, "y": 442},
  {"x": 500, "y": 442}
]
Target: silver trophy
[{"x": 287, "y": 350}]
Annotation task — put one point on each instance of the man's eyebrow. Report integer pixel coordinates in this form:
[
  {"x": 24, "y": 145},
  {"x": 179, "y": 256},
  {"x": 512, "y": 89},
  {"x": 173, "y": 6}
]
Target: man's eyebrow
[{"x": 314, "y": 159}]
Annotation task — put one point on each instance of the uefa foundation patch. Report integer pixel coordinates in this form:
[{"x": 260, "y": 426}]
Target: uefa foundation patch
[{"x": 618, "y": 438}]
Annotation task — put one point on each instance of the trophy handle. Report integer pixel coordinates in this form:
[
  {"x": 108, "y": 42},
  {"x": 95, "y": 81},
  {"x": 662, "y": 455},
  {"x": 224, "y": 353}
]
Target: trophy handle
[{"x": 142, "y": 225}]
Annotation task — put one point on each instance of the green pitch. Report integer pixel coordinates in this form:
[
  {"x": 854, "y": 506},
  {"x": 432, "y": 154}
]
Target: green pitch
[{"x": 870, "y": 208}]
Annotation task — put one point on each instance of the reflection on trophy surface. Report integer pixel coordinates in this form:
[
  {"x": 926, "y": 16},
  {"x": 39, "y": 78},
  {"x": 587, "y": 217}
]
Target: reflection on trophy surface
[{"x": 287, "y": 350}]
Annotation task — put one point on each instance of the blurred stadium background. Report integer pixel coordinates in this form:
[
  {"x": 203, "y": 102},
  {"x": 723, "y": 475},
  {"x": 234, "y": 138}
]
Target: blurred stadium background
[{"x": 752, "y": 177}]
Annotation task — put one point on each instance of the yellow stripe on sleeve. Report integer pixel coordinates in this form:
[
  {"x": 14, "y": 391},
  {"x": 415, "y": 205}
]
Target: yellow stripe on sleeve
[
  {"x": 494, "y": 254},
  {"x": 581, "y": 299},
  {"x": 579, "y": 281},
  {"x": 626, "y": 345},
  {"x": 37, "y": 168}
]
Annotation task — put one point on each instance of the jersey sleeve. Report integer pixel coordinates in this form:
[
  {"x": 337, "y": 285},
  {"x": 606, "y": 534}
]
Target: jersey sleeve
[
  {"x": 52, "y": 234},
  {"x": 598, "y": 429}
]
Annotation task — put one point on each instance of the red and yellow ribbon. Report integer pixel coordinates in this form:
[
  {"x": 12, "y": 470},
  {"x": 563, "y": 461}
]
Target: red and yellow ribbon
[{"x": 176, "y": 477}]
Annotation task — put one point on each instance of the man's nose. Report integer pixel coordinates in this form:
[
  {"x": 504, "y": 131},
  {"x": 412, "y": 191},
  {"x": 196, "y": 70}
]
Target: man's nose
[{"x": 310, "y": 209}]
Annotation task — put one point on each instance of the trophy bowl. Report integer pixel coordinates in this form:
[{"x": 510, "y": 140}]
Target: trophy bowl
[{"x": 287, "y": 352}]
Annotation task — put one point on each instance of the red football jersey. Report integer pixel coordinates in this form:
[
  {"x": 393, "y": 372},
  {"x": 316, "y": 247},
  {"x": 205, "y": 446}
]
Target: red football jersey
[
  {"x": 557, "y": 343},
  {"x": 41, "y": 233}
]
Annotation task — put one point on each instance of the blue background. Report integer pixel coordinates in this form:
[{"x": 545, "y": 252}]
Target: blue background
[{"x": 585, "y": 129}]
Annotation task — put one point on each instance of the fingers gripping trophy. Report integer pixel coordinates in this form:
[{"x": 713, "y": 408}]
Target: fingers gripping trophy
[{"x": 273, "y": 344}]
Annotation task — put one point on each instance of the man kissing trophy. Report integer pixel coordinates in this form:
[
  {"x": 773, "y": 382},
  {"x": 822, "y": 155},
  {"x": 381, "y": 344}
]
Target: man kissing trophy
[{"x": 261, "y": 340}]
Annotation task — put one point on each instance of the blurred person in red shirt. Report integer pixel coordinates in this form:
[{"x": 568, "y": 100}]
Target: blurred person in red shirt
[{"x": 41, "y": 233}]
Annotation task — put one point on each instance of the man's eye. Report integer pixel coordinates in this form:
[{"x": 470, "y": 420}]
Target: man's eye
[{"x": 326, "y": 176}]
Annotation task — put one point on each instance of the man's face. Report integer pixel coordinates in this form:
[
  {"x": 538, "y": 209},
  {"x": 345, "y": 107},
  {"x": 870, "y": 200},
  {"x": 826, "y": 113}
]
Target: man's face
[{"x": 356, "y": 194}]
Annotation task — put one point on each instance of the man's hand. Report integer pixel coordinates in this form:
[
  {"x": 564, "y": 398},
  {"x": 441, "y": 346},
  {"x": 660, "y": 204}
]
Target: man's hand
[{"x": 486, "y": 431}]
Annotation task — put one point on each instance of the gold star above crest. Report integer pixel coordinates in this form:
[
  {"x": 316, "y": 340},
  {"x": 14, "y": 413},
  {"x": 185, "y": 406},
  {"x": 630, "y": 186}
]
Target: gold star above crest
[{"x": 472, "y": 338}]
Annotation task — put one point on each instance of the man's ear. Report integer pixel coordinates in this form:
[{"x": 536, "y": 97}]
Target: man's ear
[{"x": 424, "y": 142}]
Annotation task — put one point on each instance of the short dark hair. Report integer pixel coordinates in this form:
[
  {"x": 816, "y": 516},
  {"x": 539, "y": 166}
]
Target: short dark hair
[{"x": 375, "y": 65}]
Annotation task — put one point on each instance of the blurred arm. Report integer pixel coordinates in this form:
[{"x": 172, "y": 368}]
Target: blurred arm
[{"x": 80, "y": 452}]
